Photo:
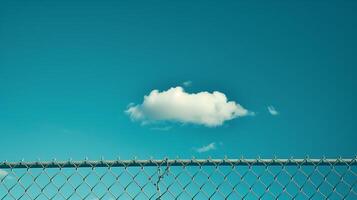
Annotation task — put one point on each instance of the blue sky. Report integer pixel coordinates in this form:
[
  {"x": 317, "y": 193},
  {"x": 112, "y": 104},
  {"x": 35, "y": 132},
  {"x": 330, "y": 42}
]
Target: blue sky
[{"x": 69, "y": 70}]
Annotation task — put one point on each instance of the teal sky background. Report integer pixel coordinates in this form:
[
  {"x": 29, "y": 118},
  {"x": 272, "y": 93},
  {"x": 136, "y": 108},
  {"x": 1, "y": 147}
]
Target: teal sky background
[{"x": 69, "y": 69}]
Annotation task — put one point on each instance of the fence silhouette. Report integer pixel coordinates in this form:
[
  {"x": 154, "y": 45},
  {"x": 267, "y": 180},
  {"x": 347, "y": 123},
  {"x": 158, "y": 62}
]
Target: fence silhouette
[{"x": 180, "y": 179}]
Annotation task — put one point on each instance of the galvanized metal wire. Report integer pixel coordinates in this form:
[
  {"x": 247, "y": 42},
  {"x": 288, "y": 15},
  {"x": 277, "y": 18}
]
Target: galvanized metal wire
[{"x": 180, "y": 179}]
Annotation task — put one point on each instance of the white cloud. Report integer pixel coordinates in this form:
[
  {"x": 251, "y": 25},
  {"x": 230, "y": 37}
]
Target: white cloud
[
  {"x": 209, "y": 147},
  {"x": 204, "y": 108},
  {"x": 187, "y": 83},
  {"x": 272, "y": 110},
  {"x": 3, "y": 173},
  {"x": 165, "y": 128}
]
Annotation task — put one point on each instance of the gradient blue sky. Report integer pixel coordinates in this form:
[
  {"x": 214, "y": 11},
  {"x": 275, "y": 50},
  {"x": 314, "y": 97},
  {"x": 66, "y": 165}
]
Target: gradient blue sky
[{"x": 69, "y": 69}]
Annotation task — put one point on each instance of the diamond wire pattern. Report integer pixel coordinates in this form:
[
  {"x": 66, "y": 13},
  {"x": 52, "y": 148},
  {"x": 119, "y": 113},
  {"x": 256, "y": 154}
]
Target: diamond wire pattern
[{"x": 180, "y": 179}]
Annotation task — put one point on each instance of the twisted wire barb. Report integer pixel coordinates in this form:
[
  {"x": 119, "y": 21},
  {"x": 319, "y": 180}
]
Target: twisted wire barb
[{"x": 180, "y": 162}]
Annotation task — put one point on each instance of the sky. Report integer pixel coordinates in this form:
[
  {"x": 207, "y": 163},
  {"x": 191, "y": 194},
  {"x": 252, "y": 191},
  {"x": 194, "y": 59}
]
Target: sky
[{"x": 233, "y": 78}]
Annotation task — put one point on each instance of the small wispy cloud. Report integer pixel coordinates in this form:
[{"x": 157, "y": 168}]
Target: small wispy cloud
[
  {"x": 272, "y": 110},
  {"x": 187, "y": 83},
  {"x": 209, "y": 147}
]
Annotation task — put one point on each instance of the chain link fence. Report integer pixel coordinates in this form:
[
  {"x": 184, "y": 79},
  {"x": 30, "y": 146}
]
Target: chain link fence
[{"x": 180, "y": 179}]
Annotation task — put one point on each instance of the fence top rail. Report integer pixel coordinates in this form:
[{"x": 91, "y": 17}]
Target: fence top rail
[{"x": 181, "y": 162}]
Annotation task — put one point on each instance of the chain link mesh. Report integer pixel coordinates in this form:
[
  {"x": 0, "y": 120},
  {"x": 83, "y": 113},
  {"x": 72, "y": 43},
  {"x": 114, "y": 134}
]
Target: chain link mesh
[{"x": 180, "y": 179}]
